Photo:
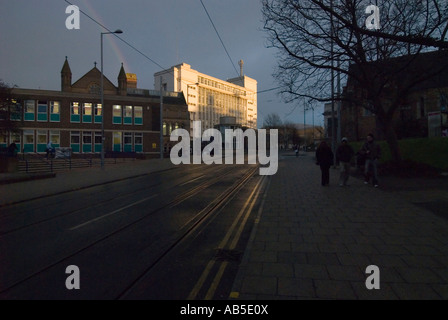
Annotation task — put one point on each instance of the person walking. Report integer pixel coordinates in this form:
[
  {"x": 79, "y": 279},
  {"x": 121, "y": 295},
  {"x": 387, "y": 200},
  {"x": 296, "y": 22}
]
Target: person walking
[
  {"x": 344, "y": 155},
  {"x": 324, "y": 158},
  {"x": 49, "y": 148},
  {"x": 372, "y": 152},
  {"x": 12, "y": 150}
]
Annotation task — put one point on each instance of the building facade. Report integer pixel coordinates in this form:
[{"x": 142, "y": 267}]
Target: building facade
[
  {"x": 422, "y": 112},
  {"x": 209, "y": 98},
  {"x": 72, "y": 118}
]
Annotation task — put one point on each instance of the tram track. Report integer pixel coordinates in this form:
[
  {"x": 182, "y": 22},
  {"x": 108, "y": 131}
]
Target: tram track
[
  {"x": 194, "y": 222},
  {"x": 98, "y": 204}
]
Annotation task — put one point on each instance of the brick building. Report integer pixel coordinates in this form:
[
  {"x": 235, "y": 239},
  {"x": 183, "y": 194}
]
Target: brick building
[
  {"x": 427, "y": 97},
  {"x": 72, "y": 116}
]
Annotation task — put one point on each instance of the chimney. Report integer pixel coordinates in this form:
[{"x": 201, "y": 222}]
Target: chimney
[{"x": 241, "y": 63}]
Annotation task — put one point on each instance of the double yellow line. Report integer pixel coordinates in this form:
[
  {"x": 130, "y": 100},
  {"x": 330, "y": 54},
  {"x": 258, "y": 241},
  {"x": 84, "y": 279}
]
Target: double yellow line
[{"x": 243, "y": 214}]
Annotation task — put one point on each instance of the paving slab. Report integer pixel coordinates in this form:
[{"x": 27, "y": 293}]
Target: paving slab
[{"x": 315, "y": 242}]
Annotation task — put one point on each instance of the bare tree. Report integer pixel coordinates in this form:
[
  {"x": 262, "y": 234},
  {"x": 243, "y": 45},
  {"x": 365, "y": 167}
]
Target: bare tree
[
  {"x": 319, "y": 39},
  {"x": 10, "y": 111},
  {"x": 291, "y": 134},
  {"x": 272, "y": 121}
]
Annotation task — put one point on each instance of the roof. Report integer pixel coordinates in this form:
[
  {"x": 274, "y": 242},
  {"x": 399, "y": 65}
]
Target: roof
[{"x": 93, "y": 76}]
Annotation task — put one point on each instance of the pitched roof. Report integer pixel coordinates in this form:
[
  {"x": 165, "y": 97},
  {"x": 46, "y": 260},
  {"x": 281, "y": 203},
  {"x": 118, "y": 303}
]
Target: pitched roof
[{"x": 93, "y": 76}]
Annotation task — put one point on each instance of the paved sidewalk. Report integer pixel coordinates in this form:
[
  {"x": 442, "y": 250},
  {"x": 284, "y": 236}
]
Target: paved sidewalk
[
  {"x": 79, "y": 178},
  {"x": 314, "y": 242}
]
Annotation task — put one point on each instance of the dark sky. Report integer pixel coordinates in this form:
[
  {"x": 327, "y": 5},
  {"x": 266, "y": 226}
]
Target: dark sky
[{"x": 34, "y": 42}]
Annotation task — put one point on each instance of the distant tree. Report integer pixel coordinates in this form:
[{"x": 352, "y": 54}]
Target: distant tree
[
  {"x": 291, "y": 133},
  {"x": 9, "y": 109},
  {"x": 272, "y": 121},
  {"x": 317, "y": 39}
]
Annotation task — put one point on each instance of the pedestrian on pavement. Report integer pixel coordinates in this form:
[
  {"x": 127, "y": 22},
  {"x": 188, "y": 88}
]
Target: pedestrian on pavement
[
  {"x": 49, "y": 148},
  {"x": 344, "y": 156},
  {"x": 324, "y": 158},
  {"x": 12, "y": 150},
  {"x": 372, "y": 152}
]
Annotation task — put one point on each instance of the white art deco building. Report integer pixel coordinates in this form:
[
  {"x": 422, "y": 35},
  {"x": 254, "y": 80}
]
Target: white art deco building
[{"x": 209, "y": 98}]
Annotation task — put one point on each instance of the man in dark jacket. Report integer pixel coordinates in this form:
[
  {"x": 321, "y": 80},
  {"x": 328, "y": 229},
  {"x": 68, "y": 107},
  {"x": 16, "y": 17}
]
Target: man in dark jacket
[
  {"x": 324, "y": 158},
  {"x": 344, "y": 155},
  {"x": 372, "y": 152}
]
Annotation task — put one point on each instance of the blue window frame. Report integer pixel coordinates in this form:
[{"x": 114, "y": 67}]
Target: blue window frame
[
  {"x": 117, "y": 114},
  {"x": 138, "y": 115},
  {"x": 87, "y": 142},
  {"x": 75, "y": 141},
  {"x": 87, "y": 112},
  {"x": 29, "y": 109},
  {"x": 127, "y": 115},
  {"x": 75, "y": 112},
  {"x": 42, "y": 111},
  {"x": 98, "y": 113},
  {"x": 55, "y": 111},
  {"x": 28, "y": 141}
]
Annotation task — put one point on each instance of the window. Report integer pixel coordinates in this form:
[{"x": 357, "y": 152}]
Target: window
[
  {"x": 42, "y": 111},
  {"x": 29, "y": 109},
  {"x": 3, "y": 141},
  {"x": 42, "y": 141},
  {"x": 87, "y": 142},
  {"x": 3, "y": 112},
  {"x": 138, "y": 142},
  {"x": 98, "y": 112},
  {"x": 164, "y": 128},
  {"x": 87, "y": 112},
  {"x": 117, "y": 114},
  {"x": 127, "y": 115},
  {"x": 28, "y": 141},
  {"x": 98, "y": 142},
  {"x": 15, "y": 111},
  {"x": 55, "y": 111},
  {"x": 127, "y": 142},
  {"x": 16, "y": 138},
  {"x": 75, "y": 115},
  {"x": 138, "y": 115},
  {"x": 117, "y": 141},
  {"x": 94, "y": 88},
  {"x": 75, "y": 141},
  {"x": 55, "y": 138}
]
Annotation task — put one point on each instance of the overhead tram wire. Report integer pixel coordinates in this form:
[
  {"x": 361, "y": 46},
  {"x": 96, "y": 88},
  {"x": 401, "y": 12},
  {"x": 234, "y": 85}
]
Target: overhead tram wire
[
  {"x": 152, "y": 60},
  {"x": 124, "y": 41},
  {"x": 220, "y": 39}
]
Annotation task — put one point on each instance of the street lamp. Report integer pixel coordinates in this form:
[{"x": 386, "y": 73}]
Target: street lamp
[{"x": 102, "y": 96}]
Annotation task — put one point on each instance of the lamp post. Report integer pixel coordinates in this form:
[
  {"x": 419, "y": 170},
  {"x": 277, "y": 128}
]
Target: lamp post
[{"x": 102, "y": 96}]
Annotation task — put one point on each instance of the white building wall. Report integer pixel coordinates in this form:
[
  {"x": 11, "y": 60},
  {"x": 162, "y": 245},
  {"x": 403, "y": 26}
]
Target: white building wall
[{"x": 209, "y": 98}]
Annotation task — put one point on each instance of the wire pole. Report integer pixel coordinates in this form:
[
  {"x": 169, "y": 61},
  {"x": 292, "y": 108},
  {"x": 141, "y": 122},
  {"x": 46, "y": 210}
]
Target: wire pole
[
  {"x": 339, "y": 102},
  {"x": 333, "y": 127},
  {"x": 161, "y": 118},
  {"x": 304, "y": 125}
]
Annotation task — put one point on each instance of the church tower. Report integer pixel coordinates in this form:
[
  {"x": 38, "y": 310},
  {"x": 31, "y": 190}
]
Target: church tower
[
  {"x": 122, "y": 82},
  {"x": 66, "y": 77}
]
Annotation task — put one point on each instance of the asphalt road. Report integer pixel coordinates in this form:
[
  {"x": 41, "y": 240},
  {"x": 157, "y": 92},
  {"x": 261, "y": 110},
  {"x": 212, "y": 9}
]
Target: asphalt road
[{"x": 178, "y": 234}]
